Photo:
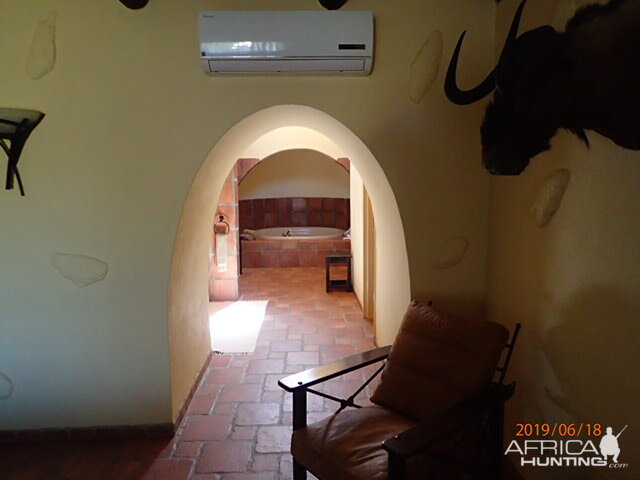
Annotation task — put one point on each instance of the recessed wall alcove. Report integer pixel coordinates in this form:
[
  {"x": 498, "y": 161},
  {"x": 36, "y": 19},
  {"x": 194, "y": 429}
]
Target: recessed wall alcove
[{"x": 257, "y": 136}]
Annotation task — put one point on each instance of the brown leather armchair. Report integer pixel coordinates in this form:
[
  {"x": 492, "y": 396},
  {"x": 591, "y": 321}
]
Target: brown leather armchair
[{"x": 437, "y": 412}]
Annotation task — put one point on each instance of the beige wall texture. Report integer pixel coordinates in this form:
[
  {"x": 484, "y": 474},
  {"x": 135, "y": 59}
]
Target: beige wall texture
[
  {"x": 357, "y": 237},
  {"x": 574, "y": 285},
  {"x": 296, "y": 173},
  {"x": 130, "y": 120}
]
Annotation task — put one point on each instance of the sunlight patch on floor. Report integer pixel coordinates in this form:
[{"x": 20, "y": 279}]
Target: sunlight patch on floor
[{"x": 234, "y": 326}]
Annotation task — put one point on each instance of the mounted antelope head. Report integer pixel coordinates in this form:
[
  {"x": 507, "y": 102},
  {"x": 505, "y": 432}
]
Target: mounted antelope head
[{"x": 585, "y": 78}]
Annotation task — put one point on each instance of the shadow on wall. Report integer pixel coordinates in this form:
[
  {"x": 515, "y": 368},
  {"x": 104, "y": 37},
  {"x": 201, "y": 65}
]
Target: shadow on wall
[{"x": 594, "y": 354}]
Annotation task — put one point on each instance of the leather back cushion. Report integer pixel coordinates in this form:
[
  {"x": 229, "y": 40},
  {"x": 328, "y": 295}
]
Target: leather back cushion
[{"x": 438, "y": 360}]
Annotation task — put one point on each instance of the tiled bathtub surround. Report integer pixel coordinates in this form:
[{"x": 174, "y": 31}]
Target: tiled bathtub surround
[
  {"x": 290, "y": 253},
  {"x": 296, "y": 212}
]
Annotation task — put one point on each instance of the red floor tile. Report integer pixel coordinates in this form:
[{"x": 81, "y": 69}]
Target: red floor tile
[
  {"x": 202, "y": 404},
  {"x": 265, "y": 462},
  {"x": 251, "y": 476},
  {"x": 220, "y": 360},
  {"x": 258, "y": 414},
  {"x": 273, "y": 439},
  {"x": 266, "y": 366},
  {"x": 188, "y": 449},
  {"x": 319, "y": 339},
  {"x": 169, "y": 470},
  {"x": 243, "y": 433},
  {"x": 248, "y": 392},
  {"x": 206, "y": 427},
  {"x": 238, "y": 424},
  {"x": 286, "y": 345},
  {"x": 225, "y": 456},
  {"x": 303, "y": 358},
  {"x": 225, "y": 375},
  {"x": 331, "y": 353}
]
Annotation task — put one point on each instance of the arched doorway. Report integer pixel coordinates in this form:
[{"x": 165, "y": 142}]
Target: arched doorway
[
  {"x": 303, "y": 144},
  {"x": 188, "y": 296}
]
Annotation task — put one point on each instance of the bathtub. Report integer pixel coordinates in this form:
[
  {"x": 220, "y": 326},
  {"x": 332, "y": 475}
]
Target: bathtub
[
  {"x": 308, "y": 247},
  {"x": 299, "y": 233}
]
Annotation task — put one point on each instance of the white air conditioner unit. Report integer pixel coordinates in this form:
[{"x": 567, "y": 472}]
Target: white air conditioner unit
[{"x": 238, "y": 42}]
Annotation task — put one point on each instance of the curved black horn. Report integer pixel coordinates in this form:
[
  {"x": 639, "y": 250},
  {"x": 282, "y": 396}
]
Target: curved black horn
[
  {"x": 465, "y": 97},
  {"x": 332, "y": 4},
  {"x": 513, "y": 30},
  {"x": 134, "y": 4}
]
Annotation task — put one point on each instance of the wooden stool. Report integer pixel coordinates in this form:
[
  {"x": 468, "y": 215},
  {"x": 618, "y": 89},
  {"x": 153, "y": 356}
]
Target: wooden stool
[{"x": 338, "y": 285}]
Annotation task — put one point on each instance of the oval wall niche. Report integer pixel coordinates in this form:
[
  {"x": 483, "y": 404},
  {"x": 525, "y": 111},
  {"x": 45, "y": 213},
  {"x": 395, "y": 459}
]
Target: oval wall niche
[
  {"x": 82, "y": 270},
  {"x": 550, "y": 196},
  {"x": 42, "y": 53},
  {"x": 449, "y": 253}
]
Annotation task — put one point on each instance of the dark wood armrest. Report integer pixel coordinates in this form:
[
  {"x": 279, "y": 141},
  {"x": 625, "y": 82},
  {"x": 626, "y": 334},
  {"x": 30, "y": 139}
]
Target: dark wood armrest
[
  {"x": 323, "y": 373},
  {"x": 421, "y": 436}
]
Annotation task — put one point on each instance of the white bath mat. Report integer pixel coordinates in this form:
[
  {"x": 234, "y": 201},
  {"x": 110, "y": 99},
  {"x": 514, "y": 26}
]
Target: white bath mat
[{"x": 234, "y": 326}]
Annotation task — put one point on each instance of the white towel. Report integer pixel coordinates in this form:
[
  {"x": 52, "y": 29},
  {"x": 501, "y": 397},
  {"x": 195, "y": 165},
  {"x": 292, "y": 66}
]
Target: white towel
[{"x": 222, "y": 251}]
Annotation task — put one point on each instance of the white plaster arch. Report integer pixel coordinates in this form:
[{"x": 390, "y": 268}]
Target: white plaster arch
[{"x": 188, "y": 297}]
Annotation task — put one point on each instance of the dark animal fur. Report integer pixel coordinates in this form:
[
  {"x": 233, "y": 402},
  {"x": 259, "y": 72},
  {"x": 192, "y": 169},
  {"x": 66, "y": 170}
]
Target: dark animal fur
[
  {"x": 583, "y": 79},
  {"x": 589, "y": 13}
]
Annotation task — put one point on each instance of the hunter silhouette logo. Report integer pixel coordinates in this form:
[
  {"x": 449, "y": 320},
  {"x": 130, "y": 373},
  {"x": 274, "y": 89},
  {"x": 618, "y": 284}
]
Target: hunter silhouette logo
[{"x": 609, "y": 444}]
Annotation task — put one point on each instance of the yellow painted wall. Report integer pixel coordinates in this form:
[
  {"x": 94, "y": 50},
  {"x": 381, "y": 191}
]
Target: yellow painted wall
[
  {"x": 574, "y": 285},
  {"x": 357, "y": 232},
  {"x": 296, "y": 173},
  {"x": 130, "y": 119}
]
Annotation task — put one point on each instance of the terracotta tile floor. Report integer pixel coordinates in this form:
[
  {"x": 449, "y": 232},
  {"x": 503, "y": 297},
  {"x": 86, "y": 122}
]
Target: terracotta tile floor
[{"x": 238, "y": 424}]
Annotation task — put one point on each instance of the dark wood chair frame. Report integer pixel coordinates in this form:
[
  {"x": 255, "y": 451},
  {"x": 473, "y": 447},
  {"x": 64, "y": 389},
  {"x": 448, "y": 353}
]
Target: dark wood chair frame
[{"x": 487, "y": 406}]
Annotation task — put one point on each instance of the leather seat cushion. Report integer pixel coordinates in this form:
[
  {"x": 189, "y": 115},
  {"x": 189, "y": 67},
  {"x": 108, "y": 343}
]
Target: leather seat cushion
[
  {"x": 348, "y": 446},
  {"x": 438, "y": 360}
]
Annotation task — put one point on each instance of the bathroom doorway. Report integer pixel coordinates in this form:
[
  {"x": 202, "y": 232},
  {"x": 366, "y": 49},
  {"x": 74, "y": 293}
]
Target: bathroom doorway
[
  {"x": 278, "y": 217},
  {"x": 257, "y": 136}
]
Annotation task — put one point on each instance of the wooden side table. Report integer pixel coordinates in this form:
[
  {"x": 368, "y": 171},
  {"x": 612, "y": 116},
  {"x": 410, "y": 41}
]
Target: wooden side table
[{"x": 338, "y": 285}]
